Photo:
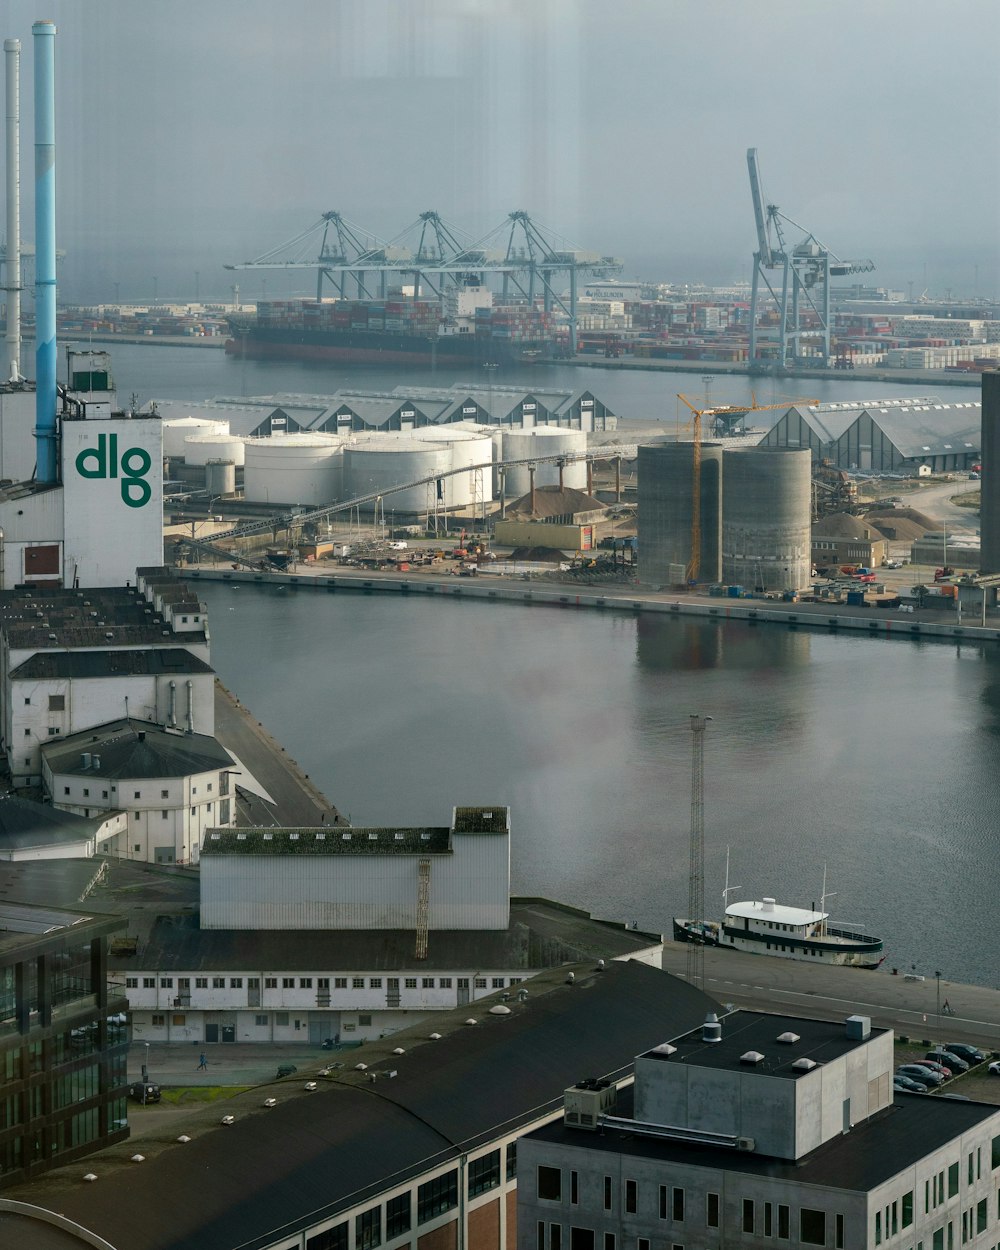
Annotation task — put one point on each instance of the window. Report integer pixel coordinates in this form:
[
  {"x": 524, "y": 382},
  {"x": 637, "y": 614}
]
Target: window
[
  {"x": 480, "y": 983},
  {"x": 441, "y": 1194},
  {"x": 839, "y": 1234},
  {"x": 131, "y": 983},
  {"x": 375, "y": 983},
  {"x": 27, "y": 703},
  {"x": 178, "y": 1020},
  {"x": 972, "y": 1168},
  {"x": 427, "y": 983},
  {"x": 981, "y": 1216},
  {"x": 444, "y": 983},
  {"x": 574, "y": 1188},
  {"x": 194, "y": 810},
  {"x": 907, "y": 1210},
  {"x": 953, "y": 1180},
  {"x": 136, "y": 795},
  {"x": 201, "y": 983},
  {"x": 783, "y": 1221},
  {"x": 410, "y": 983},
  {"x": 166, "y": 983},
  {"x": 138, "y": 848},
  {"x": 549, "y": 1183},
  {"x": 642, "y": 1243},
  {"x": 609, "y": 1189},
  {"x": 158, "y": 1021},
  {"x": 164, "y": 814},
  {"x": 323, "y": 983},
  {"x": 335, "y": 1238},
  {"x": 996, "y": 1152},
  {"x": 270, "y": 983},
  {"x": 498, "y": 983},
  {"x": 365, "y": 1021},
  {"x": 260, "y": 1021},
  {"x": 66, "y": 791},
  {"x": 484, "y": 1173},
  {"x": 748, "y": 1215},
  {"x": 52, "y": 734},
  {"x": 149, "y": 983},
  {"x": 398, "y": 1216},
  {"x": 712, "y": 1210},
  {"x": 631, "y": 1197},
  {"x": 86, "y": 794},
  {"x": 357, "y": 983},
  {"x": 511, "y": 1160},
  {"x": 104, "y": 793},
  {"x": 27, "y": 734},
  {"x": 235, "y": 983},
  {"x": 677, "y": 1205},
  {"x": 210, "y": 787},
  {"x": 768, "y": 1219},
  {"x": 581, "y": 1239},
  {"x": 609, "y": 1241},
  {"x": 812, "y": 1227},
  {"x": 305, "y": 983},
  {"x": 340, "y": 983},
  {"x": 164, "y": 794},
  {"x": 288, "y": 983},
  {"x": 218, "y": 983},
  {"x": 281, "y": 1019},
  {"x": 368, "y": 1229}
]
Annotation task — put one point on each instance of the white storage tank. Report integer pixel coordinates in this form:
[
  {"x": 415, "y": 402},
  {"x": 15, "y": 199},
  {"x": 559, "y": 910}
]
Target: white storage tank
[
  {"x": 463, "y": 490},
  {"x": 495, "y": 434},
  {"x": 201, "y": 448},
  {"x": 543, "y": 441},
  {"x": 294, "y": 469},
  {"x": 175, "y": 432},
  {"x": 376, "y": 464}
]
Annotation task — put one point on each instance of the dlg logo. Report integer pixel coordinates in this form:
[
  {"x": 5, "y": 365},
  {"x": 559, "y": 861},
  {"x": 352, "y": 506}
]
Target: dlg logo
[{"x": 102, "y": 461}]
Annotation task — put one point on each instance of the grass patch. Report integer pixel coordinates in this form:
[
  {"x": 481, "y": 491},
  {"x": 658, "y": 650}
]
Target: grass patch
[{"x": 186, "y": 1095}]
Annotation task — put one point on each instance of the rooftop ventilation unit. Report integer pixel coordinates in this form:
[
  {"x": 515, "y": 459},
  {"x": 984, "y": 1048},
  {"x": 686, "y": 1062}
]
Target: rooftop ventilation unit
[
  {"x": 789, "y": 1038},
  {"x": 664, "y": 1049},
  {"x": 751, "y": 1057},
  {"x": 804, "y": 1064},
  {"x": 859, "y": 1028},
  {"x": 585, "y": 1102},
  {"x": 711, "y": 1030}
]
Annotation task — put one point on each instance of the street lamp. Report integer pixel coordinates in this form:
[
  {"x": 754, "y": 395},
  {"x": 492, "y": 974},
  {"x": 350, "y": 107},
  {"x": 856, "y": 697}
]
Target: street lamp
[{"x": 937, "y": 985}]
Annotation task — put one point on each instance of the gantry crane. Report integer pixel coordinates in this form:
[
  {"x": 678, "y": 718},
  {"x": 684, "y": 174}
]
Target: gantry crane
[
  {"x": 694, "y": 559},
  {"x": 806, "y": 269}
]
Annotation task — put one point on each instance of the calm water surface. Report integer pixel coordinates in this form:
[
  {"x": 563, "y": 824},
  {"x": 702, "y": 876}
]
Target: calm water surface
[{"x": 876, "y": 758}]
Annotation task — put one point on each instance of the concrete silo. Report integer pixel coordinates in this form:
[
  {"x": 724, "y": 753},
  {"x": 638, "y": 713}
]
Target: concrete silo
[
  {"x": 544, "y": 440},
  {"x": 767, "y": 518},
  {"x": 175, "y": 432},
  {"x": 376, "y": 464},
  {"x": 666, "y": 494},
  {"x": 294, "y": 469}
]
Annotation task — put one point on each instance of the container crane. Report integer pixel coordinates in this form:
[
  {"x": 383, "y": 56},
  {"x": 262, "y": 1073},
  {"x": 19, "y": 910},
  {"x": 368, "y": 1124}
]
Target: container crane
[
  {"x": 804, "y": 295},
  {"x": 694, "y": 560}
]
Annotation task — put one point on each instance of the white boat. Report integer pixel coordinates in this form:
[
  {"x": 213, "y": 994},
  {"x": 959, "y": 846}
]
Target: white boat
[{"x": 766, "y": 927}]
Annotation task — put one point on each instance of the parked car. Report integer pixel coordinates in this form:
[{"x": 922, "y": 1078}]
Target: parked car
[
  {"x": 893, "y": 564},
  {"x": 971, "y": 1054},
  {"x": 945, "y": 1057},
  {"x": 994, "y": 1068},
  {"x": 144, "y": 1091},
  {"x": 937, "y": 1066},
  {"x": 909, "y": 1085},
  {"x": 917, "y": 1072}
]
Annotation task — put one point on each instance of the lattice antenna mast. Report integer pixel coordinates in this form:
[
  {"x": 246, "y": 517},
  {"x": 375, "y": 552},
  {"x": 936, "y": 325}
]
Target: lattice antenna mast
[{"x": 696, "y": 871}]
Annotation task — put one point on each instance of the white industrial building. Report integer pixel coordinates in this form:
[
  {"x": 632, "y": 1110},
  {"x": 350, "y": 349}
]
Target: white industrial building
[
  {"x": 309, "y": 934},
  {"x": 173, "y": 786},
  {"x": 762, "y": 1129}
]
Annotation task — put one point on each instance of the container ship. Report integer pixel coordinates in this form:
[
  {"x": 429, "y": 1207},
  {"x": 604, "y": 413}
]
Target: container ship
[{"x": 393, "y": 331}]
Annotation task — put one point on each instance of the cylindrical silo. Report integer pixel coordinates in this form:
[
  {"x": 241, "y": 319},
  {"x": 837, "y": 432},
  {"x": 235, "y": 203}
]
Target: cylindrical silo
[
  {"x": 175, "y": 432},
  {"x": 666, "y": 497},
  {"x": 544, "y": 440},
  {"x": 468, "y": 450},
  {"x": 202, "y": 448},
  {"x": 220, "y": 478},
  {"x": 495, "y": 434},
  {"x": 294, "y": 469},
  {"x": 767, "y": 517},
  {"x": 374, "y": 465}
]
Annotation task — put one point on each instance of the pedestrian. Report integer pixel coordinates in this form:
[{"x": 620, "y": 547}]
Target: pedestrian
[
  {"x": 946, "y": 1008},
  {"x": 202, "y": 1062}
]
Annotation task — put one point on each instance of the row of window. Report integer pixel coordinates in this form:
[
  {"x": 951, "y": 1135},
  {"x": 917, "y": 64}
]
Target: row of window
[
  {"x": 164, "y": 794},
  {"x": 767, "y": 1218},
  {"x": 434, "y": 1198},
  {"x": 322, "y": 983}
]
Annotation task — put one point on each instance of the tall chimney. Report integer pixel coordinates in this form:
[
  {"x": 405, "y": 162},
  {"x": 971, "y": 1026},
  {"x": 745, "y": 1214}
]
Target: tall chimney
[
  {"x": 12, "y": 57},
  {"x": 44, "y": 34}
]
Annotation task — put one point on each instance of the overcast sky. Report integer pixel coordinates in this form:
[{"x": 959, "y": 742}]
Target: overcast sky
[{"x": 192, "y": 133}]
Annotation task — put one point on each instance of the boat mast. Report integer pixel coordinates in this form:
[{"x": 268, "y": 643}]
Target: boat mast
[
  {"x": 696, "y": 871},
  {"x": 822, "y": 906},
  {"x": 730, "y": 889}
]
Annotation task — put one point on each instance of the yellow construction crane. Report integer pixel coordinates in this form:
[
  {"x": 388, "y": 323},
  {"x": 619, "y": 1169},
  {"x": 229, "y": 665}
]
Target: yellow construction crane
[{"x": 724, "y": 412}]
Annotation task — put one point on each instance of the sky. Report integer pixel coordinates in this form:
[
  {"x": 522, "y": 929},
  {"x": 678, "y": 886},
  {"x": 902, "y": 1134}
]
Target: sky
[{"x": 191, "y": 135}]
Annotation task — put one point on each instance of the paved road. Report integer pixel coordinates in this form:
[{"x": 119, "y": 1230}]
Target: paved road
[
  {"x": 910, "y": 1008},
  {"x": 297, "y": 802}
]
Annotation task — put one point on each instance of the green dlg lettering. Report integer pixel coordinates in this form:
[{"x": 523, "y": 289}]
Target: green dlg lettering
[{"x": 134, "y": 478}]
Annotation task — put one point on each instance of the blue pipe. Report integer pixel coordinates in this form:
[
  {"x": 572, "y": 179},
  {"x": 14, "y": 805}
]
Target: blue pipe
[{"x": 43, "y": 34}]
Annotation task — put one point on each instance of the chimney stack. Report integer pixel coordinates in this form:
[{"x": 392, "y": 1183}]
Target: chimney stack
[{"x": 44, "y": 34}]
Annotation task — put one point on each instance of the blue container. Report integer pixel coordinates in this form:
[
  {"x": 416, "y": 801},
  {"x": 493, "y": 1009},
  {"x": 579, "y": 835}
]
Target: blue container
[
  {"x": 855, "y": 599},
  {"x": 734, "y": 592}
]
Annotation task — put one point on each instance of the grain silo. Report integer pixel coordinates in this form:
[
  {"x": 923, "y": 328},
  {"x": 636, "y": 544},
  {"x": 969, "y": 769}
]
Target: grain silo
[
  {"x": 666, "y": 494},
  {"x": 201, "y": 448},
  {"x": 767, "y": 518},
  {"x": 374, "y": 465},
  {"x": 175, "y": 432},
  {"x": 294, "y": 469},
  {"x": 544, "y": 440},
  {"x": 468, "y": 449}
]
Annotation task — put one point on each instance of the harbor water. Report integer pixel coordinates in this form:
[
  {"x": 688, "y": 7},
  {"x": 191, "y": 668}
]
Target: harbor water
[{"x": 876, "y": 758}]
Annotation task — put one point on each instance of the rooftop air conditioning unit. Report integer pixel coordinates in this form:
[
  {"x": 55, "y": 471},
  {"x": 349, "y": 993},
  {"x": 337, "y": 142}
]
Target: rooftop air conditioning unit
[
  {"x": 585, "y": 1102},
  {"x": 746, "y": 1143}
]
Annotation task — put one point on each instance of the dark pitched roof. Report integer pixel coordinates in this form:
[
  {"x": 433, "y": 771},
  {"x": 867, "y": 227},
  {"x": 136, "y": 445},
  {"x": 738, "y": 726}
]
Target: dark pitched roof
[
  {"x": 135, "y": 749},
  {"x": 319, "y": 1153},
  {"x": 24, "y": 824},
  {"x": 54, "y": 882},
  {"x": 167, "y": 661}
]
